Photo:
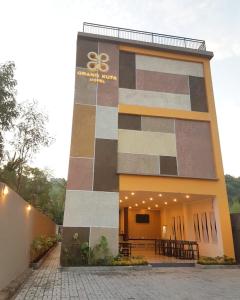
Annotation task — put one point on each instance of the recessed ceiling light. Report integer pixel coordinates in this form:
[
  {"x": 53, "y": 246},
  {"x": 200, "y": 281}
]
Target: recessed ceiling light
[
  {"x": 149, "y": 207},
  {"x": 156, "y": 205},
  {"x": 143, "y": 201},
  {"x": 165, "y": 203},
  {"x": 136, "y": 204},
  {"x": 126, "y": 197},
  {"x": 120, "y": 201},
  {"x": 150, "y": 198},
  {"x": 175, "y": 200},
  {"x": 187, "y": 196},
  {"x": 132, "y": 193},
  {"x": 130, "y": 207},
  {"x": 159, "y": 195}
]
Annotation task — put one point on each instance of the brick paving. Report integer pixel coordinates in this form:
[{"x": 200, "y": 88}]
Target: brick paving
[{"x": 50, "y": 282}]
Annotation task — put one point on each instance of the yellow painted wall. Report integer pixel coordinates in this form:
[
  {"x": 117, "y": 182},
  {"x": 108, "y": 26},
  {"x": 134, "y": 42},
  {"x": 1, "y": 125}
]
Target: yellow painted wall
[
  {"x": 181, "y": 185},
  {"x": 151, "y": 230}
]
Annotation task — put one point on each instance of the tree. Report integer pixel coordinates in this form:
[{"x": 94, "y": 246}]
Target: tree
[
  {"x": 30, "y": 134},
  {"x": 8, "y": 111}
]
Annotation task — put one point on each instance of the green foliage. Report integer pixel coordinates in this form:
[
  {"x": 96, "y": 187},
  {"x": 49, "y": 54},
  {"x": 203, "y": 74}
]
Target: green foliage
[
  {"x": 78, "y": 254},
  {"x": 128, "y": 261},
  {"x": 233, "y": 190},
  {"x": 8, "y": 111},
  {"x": 40, "y": 245},
  {"x": 218, "y": 260}
]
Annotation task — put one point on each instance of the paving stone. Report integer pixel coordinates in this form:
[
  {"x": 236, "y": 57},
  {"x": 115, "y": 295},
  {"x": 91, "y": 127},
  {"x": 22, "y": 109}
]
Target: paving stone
[{"x": 50, "y": 282}]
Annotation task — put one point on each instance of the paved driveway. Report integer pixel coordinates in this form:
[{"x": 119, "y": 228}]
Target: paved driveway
[{"x": 161, "y": 283}]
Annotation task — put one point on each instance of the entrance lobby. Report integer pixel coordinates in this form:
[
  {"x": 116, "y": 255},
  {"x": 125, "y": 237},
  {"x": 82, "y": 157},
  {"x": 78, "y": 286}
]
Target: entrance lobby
[{"x": 169, "y": 227}]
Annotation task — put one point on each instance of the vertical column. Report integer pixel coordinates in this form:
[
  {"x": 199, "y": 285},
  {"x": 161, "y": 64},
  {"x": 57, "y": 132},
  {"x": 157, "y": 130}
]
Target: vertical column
[{"x": 92, "y": 204}]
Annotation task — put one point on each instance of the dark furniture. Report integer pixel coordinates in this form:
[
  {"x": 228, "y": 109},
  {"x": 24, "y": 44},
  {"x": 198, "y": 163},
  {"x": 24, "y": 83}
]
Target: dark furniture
[
  {"x": 177, "y": 248},
  {"x": 125, "y": 249}
]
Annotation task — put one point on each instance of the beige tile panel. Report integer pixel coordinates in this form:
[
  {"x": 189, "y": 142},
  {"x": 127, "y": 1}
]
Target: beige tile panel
[
  {"x": 157, "y": 64},
  {"x": 157, "y": 124},
  {"x": 110, "y": 233},
  {"x": 138, "y": 164},
  {"x": 154, "y": 99},
  {"x": 91, "y": 209},
  {"x": 143, "y": 142}
]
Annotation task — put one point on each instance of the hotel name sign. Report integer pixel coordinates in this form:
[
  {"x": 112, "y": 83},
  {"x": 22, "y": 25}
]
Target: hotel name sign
[{"x": 97, "y": 68}]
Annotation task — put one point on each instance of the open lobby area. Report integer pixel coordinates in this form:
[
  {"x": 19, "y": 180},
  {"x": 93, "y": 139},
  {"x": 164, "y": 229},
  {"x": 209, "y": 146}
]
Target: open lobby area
[{"x": 168, "y": 227}]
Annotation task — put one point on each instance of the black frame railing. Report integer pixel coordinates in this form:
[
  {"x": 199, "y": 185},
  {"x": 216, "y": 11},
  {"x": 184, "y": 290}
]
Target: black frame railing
[{"x": 144, "y": 36}]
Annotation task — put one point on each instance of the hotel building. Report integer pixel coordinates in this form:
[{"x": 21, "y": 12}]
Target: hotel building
[{"x": 145, "y": 160}]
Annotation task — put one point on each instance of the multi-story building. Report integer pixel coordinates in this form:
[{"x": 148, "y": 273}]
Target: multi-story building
[{"x": 145, "y": 160}]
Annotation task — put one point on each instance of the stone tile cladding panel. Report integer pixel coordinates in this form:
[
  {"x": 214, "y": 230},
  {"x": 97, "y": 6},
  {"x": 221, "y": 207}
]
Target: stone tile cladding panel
[
  {"x": 194, "y": 149},
  {"x": 105, "y": 168},
  {"x": 68, "y": 232},
  {"x": 107, "y": 93},
  {"x": 110, "y": 233},
  {"x": 171, "y": 66},
  {"x": 138, "y": 164},
  {"x": 162, "y": 82},
  {"x": 85, "y": 90},
  {"x": 127, "y": 70},
  {"x": 91, "y": 209},
  {"x": 154, "y": 99},
  {"x": 85, "y": 46},
  {"x": 83, "y": 131},
  {"x": 80, "y": 174},
  {"x": 157, "y": 124},
  {"x": 95, "y": 116},
  {"x": 168, "y": 165},
  {"x": 143, "y": 142},
  {"x": 126, "y": 121},
  {"x": 107, "y": 122},
  {"x": 198, "y": 94}
]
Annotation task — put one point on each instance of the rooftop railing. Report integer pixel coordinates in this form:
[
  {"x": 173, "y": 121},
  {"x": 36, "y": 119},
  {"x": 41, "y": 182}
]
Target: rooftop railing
[{"x": 144, "y": 36}]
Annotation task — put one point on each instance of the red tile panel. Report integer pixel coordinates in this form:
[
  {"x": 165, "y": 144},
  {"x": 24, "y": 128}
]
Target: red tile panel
[
  {"x": 194, "y": 149},
  {"x": 162, "y": 82},
  {"x": 80, "y": 174}
]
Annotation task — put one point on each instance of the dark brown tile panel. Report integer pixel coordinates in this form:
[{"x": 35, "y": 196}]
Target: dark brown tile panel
[
  {"x": 168, "y": 165},
  {"x": 80, "y": 174},
  {"x": 68, "y": 249},
  {"x": 194, "y": 149},
  {"x": 161, "y": 82},
  {"x": 105, "y": 168},
  {"x": 198, "y": 94},
  {"x": 85, "y": 46},
  {"x": 129, "y": 122},
  {"x": 107, "y": 93},
  {"x": 127, "y": 70}
]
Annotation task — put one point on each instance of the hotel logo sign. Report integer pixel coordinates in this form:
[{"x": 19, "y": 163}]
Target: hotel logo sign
[
  {"x": 97, "y": 68},
  {"x": 98, "y": 62}
]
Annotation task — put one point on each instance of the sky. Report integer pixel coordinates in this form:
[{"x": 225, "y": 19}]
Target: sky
[{"x": 40, "y": 37}]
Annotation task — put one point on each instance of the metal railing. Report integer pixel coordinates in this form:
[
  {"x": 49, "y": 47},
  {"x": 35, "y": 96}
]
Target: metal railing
[{"x": 144, "y": 36}]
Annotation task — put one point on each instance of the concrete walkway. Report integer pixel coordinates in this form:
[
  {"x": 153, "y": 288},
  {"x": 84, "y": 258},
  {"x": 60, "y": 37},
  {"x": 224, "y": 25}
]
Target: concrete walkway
[{"x": 50, "y": 282}]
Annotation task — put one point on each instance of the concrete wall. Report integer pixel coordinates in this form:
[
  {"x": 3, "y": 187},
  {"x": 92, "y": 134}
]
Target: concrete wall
[{"x": 18, "y": 227}]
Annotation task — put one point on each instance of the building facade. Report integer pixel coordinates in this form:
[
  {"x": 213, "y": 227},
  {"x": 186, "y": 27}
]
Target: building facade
[{"x": 145, "y": 141}]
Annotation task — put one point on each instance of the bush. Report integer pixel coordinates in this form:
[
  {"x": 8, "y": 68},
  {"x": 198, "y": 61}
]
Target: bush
[
  {"x": 218, "y": 260},
  {"x": 78, "y": 254},
  {"x": 40, "y": 245}
]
